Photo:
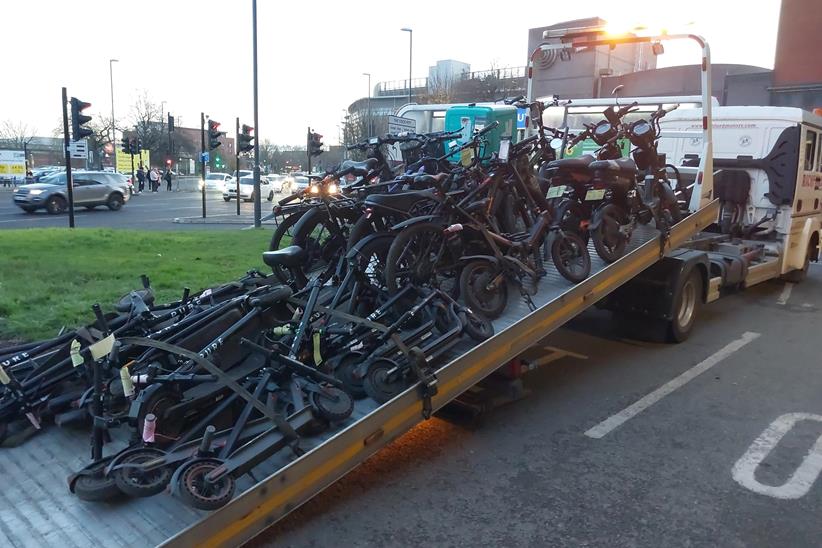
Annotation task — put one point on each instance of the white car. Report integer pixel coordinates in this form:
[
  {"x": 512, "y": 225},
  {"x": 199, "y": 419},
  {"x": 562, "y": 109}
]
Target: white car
[
  {"x": 217, "y": 181},
  {"x": 276, "y": 182},
  {"x": 247, "y": 189}
]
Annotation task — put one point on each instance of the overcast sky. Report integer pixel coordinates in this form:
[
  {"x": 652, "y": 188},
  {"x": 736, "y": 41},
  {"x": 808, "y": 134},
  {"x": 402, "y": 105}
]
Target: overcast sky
[{"x": 196, "y": 54}]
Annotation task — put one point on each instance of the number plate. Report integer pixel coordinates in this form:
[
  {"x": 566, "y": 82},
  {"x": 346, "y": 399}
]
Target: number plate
[
  {"x": 556, "y": 192},
  {"x": 595, "y": 194}
]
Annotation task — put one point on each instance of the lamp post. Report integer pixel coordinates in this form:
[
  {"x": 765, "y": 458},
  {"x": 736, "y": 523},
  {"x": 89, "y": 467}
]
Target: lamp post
[
  {"x": 410, "y": 57},
  {"x": 370, "y": 124},
  {"x": 111, "y": 81}
]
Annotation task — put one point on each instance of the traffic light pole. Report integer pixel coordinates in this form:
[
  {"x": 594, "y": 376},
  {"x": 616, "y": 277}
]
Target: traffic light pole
[
  {"x": 202, "y": 160},
  {"x": 237, "y": 163},
  {"x": 69, "y": 182},
  {"x": 258, "y": 208},
  {"x": 132, "y": 169},
  {"x": 308, "y": 147}
]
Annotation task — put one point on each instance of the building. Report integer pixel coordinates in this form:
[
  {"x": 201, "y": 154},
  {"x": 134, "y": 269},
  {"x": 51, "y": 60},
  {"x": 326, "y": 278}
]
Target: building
[
  {"x": 580, "y": 72},
  {"x": 444, "y": 74}
]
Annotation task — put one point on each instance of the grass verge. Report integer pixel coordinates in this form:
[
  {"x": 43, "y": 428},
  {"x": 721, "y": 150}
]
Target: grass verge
[{"x": 49, "y": 278}]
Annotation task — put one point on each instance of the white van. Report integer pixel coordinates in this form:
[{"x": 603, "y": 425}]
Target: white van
[{"x": 775, "y": 153}]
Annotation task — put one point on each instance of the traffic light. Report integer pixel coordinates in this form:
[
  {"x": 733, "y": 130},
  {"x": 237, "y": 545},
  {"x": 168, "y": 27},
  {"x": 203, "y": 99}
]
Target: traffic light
[
  {"x": 170, "y": 123},
  {"x": 78, "y": 119},
  {"x": 246, "y": 140},
  {"x": 136, "y": 146},
  {"x": 213, "y": 135},
  {"x": 125, "y": 146},
  {"x": 315, "y": 144}
]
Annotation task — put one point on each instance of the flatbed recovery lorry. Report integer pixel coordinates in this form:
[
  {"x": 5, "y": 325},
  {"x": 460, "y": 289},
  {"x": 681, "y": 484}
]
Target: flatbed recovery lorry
[{"x": 37, "y": 509}]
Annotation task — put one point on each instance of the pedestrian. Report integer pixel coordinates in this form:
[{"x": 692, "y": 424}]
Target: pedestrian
[
  {"x": 154, "y": 179},
  {"x": 141, "y": 179},
  {"x": 29, "y": 177},
  {"x": 167, "y": 178}
]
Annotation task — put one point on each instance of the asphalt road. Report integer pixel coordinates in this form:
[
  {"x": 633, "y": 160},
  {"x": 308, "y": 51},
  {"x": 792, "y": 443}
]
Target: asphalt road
[
  {"x": 146, "y": 211},
  {"x": 722, "y": 458}
]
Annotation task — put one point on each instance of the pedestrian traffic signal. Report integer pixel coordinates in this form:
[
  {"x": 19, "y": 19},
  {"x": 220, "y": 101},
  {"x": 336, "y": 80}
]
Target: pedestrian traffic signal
[
  {"x": 213, "y": 135},
  {"x": 136, "y": 146},
  {"x": 246, "y": 140},
  {"x": 78, "y": 119},
  {"x": 315, "y": 144}
]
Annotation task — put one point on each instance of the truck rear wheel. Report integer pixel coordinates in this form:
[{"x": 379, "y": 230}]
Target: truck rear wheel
[
  {"x": 799, "y": 275},
  {"x": 687, "y": 302}
]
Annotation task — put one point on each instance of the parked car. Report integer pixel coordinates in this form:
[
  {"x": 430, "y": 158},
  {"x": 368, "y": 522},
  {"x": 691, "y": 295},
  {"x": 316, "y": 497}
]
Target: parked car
[
  {"x": 247, "y": 189},
  {"x": 91, "y": 189}
]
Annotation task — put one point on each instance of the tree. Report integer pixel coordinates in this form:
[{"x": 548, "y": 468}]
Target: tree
[
  {"x": 147, "y": 122},
  {"x": 15, "y": 135}
]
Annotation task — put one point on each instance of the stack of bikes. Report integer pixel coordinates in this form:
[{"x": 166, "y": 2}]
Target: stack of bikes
[{"x": 374, "y": 283}]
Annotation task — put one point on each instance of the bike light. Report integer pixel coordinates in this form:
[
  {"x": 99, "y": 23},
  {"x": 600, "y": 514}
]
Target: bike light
[
  {"x": 332, "y": 188},
  {"x": 454, "y": 228},
  {"x": 314, "y": 189},
  {"x": 368, "y": 212}
]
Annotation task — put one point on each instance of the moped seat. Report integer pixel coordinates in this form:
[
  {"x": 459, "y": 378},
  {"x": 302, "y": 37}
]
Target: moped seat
[
  {"x": 289, "y": 257},
  {"x": 399, "y": 201},
  {"x": 620, "y": 166},
  {"x": 580, "y": 163},
  {"x": 358, "y": 169}
]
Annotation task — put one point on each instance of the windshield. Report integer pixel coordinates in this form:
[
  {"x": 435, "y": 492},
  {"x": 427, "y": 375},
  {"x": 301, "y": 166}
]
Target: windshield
[
  {"x": 56, "y": 179},
  {"x": 246, "y": 180},
  {"x": 213, "y": 176}
]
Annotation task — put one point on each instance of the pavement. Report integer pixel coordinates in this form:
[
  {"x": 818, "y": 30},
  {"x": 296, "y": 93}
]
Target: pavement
[
  {"x": 145, "y": 211},
  {"x": 713, "y": 442}
]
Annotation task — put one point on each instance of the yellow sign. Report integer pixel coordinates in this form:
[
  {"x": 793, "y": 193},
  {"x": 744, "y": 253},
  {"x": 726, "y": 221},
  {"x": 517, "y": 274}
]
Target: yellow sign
[{"x": 124, "y": 161}]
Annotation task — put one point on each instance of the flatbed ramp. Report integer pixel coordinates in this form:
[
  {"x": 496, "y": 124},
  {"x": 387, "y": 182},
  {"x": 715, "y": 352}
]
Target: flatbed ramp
[{"x": 36, "y": 508}]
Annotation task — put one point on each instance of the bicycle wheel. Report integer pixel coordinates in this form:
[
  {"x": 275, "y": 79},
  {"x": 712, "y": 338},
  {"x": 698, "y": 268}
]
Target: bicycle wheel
[
  {"x": 323, "y": 243},
  {"x": 282, "y": 237},
  {"x": 419, "y": 256},
  {"x": 570, "y": 256},
  {"x": 609, "y": 240},
  {"x": 484, "y": 289}
]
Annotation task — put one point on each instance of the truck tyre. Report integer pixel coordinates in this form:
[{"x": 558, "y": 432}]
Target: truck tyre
[
  {"x": 798, "y": 275},
  {"x": 687, "y": 302}
]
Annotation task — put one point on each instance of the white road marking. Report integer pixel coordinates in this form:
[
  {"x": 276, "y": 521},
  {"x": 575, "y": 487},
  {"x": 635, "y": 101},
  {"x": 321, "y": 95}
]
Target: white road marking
[
  {"x": 645, "y": 402},
  {"x": 786, "y": 294},
  {"x": 798, "y": 485}
]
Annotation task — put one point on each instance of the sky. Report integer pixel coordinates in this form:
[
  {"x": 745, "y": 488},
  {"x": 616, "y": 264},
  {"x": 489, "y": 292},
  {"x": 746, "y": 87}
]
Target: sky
[{"x": 196, "y": 55}]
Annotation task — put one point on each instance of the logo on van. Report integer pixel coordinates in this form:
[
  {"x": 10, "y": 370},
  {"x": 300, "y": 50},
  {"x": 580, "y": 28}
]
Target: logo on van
[{"x": 745, "y": 140}]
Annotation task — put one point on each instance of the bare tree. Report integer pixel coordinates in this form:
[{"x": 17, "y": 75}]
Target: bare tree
[
  {"x": 15, "y": 134},
  {"x": 146, "y": 117},
  {"x": 440, "y": 89}
]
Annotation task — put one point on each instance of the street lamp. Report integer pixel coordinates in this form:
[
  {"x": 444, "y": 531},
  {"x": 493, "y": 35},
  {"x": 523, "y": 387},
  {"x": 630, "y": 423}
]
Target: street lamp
[
  {"x": 111, "y": 81},
  {"x": 410, "y": 52},
  {"x": 370, "y": 125}
]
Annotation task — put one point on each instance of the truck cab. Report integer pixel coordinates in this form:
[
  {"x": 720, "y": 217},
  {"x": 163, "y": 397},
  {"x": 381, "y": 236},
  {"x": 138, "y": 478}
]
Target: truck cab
[{"x": 768, "y": 173}]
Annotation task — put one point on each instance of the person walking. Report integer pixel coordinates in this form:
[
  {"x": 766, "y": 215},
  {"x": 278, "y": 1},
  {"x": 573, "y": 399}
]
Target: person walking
[
  {"x": 167, "y": 177},
  {"x": 154, "y": 179},
  {"x": 141, "y": 179}
]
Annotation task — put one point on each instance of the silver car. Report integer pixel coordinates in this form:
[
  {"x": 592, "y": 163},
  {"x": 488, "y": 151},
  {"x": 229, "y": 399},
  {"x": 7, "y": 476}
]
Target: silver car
[{"x": 91, "y": 189}]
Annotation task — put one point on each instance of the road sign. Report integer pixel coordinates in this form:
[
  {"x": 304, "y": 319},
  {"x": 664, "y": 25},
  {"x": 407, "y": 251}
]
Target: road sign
[
  {"x": 204, "y": 156},
  {"x": 79, "y": 149},
  {"x": 397, "y": 124},
  {"x": 522, "y": 115}
]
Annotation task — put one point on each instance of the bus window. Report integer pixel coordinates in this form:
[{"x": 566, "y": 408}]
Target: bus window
[
  {"x": 810, "y": 149},
  {"x": 819, "y": 156}
]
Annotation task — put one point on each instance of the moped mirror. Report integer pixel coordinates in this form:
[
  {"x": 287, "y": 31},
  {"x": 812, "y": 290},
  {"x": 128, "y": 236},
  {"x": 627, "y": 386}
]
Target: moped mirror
[
  {"x": 556, "y": 143},
  {"x": 616, "y": 90}
]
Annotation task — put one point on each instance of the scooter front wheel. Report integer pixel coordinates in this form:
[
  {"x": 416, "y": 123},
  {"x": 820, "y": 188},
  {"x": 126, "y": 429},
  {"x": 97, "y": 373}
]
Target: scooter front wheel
[
  {"x": 198, "y": 492},
  {"x": 332, "y": 404},
  {"x": 609, "y": 241},
  {"x": 570, "y": 256},
  {"x": 135, "y": 482},
  {"x": 382, "y": 382}
]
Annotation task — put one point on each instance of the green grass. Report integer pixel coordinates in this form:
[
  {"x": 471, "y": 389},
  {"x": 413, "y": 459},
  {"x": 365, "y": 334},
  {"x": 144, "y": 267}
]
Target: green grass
[{"x": 49, "y": 278}]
